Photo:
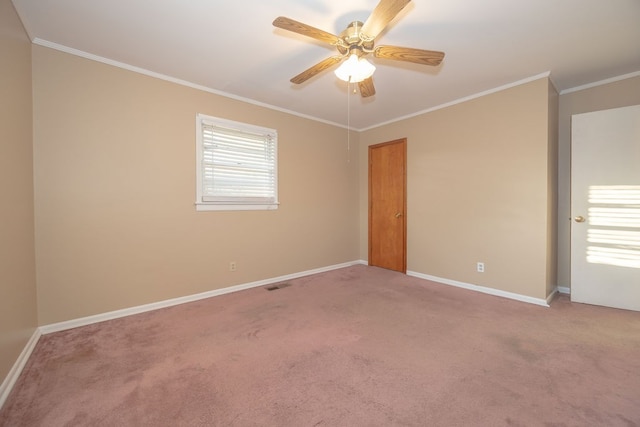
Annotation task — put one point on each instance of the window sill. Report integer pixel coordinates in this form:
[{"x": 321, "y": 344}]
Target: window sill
[{"x": 202, "y": 207}]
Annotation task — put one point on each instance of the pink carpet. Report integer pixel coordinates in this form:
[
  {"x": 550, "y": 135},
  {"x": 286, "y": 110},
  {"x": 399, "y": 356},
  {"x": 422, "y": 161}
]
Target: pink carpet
[{"x": 360, "y": 346}]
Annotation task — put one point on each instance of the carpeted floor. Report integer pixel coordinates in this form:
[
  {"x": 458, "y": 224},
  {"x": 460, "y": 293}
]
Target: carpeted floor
[{"x": 359, "y": 346}]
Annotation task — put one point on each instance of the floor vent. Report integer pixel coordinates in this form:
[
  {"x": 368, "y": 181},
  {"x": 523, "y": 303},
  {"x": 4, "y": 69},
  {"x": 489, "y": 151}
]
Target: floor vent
[{"x": 277, "y": 286}]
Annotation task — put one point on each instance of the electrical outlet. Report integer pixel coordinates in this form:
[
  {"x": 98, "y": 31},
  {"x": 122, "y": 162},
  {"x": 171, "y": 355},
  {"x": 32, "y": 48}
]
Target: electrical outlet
[
  {"x": 480, "y": 267},
  {"x": 232, "y": 266}
]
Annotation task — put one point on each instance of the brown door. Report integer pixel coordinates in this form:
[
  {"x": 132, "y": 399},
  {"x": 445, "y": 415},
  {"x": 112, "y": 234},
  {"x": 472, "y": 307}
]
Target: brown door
[{"x": 387, "y": 205}]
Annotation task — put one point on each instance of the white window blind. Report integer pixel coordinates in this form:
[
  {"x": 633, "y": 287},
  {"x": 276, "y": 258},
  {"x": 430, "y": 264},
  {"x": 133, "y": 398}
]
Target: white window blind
[{"x": 237, "y": 165}]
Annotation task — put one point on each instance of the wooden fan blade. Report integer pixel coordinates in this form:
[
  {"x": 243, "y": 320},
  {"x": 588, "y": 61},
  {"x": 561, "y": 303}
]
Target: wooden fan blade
[
  {"x": 320, "y": 66},
  {"x": 384, "y": 13},
  {"x": 419, "y": 56},
  {"x": 366, "y": 88},
  {"x": 305, "y": 30}
]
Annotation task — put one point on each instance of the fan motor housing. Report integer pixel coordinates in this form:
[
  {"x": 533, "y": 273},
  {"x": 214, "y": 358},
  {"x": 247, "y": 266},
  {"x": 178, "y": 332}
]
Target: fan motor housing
[{"x": 354, "y": 40}]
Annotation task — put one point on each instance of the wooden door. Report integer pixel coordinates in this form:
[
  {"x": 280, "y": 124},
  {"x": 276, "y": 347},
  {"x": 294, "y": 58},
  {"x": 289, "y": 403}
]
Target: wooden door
[
  {"x": 387, "y": 205},
  {"x": 605, "y": 204}
]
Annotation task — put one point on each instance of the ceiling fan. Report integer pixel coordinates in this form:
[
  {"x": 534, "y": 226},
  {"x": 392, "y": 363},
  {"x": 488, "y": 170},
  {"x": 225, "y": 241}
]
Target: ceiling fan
[{"x": 356, "y": 42}]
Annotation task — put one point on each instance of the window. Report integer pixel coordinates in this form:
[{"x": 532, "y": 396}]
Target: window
[{"x": 236, "y": 165}]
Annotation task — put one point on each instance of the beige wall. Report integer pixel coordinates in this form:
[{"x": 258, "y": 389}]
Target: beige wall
[
  {"x": 622, "y": 93},
  {"x": 114, "y": 159},
  {"x": 18, "y": 319},
  {"x": 478, "y": 179}
]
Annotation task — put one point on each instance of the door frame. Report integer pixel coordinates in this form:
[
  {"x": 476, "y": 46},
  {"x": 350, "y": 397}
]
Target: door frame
[{"x": 403, "y": 142}]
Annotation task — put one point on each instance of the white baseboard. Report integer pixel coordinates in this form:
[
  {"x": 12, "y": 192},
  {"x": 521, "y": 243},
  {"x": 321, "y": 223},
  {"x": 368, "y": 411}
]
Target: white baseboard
[
  {"x": 83, "y": 321},
  {"x": 551, "y": 296},
  {"x": 16, "y": 369},
  {"x": 558, "y": 290},
  {"x": 18, "y": 366},
  {"x": 483, "y": 289}
]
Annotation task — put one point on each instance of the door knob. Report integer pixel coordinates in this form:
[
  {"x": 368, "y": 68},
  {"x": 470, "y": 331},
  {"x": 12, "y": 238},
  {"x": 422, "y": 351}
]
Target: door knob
[
  {"x": 579, "y": 219},
  {"x": 398, "y": 215}
]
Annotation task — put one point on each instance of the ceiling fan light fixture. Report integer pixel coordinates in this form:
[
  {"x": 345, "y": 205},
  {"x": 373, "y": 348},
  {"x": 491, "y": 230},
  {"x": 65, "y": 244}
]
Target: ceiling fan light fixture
[{"x": 355, "y": 69}]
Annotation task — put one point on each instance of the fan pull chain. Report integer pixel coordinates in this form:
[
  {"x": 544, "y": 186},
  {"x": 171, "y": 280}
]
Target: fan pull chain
[{"x": 349, "y": 120}]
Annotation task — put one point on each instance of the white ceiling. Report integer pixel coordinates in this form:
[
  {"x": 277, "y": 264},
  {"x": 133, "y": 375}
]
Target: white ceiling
[{"x": 230, "y": 47}]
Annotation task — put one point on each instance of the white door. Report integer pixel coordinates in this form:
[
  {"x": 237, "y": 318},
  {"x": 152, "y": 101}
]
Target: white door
[{"x": 605, "y": 205}]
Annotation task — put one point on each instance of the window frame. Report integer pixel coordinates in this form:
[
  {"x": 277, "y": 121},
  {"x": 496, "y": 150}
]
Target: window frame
[{"x": 231, "y": 205}]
